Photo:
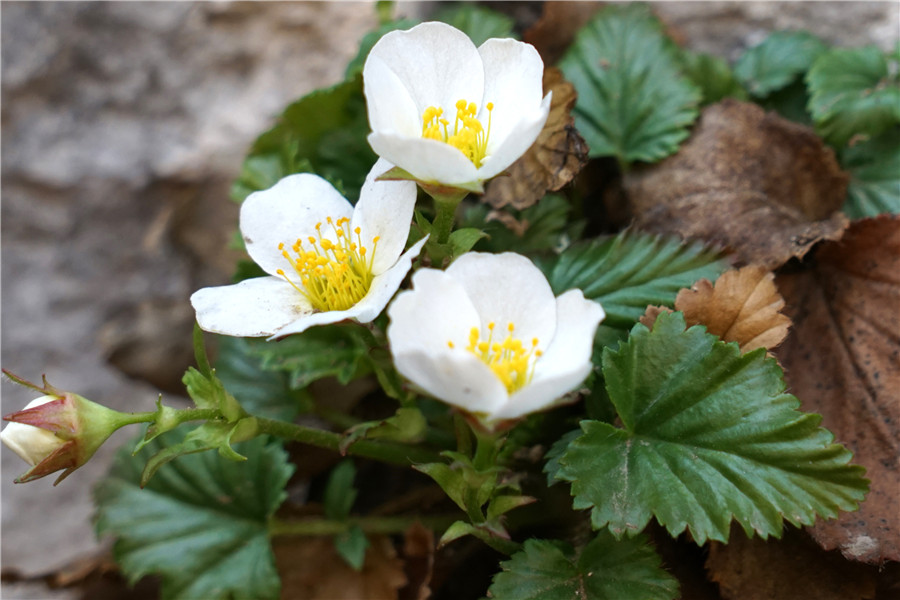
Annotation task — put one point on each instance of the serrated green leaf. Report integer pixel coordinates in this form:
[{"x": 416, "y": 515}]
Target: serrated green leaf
[
  {"x": 548, "y": 227},
  {"x": 604, "y": 569},
  {"x": 709, "y": 434},
  {"x": 559, "y": 447},
  {"x": 478, "y": 22},
  {"x": 339, "y": 350},
  {"x": 462, "y": 240},
  {"x": 451, "y": 481},
  {"x": 201, "y": 523},
  {"x": 632, "y": 101},
  {"x": 627, "y": 272},
  {"x": 369, "y": 40},
  {"x": 712, "y": 75},
  {"x": 874, "y": 168},
  {"x": 352, "y": 545},
  {"x": 853, "y": 92},
  {"x": 324, "y": 132},
  {"x": 261, "y": 392},
  {"x": 339, "y": 491},
  {"x": 778, "y": 61}
]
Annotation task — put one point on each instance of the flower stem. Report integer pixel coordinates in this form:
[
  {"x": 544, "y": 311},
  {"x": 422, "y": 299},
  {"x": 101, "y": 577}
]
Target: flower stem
[
  {"x": 401, "y": 454},
  {"x": 396, "y": 524}
]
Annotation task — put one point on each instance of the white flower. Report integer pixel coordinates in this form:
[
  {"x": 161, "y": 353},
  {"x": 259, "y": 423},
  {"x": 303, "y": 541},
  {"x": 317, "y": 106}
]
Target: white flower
[
  {"x": 327, "y": 261},
  {"x": 487, "y": 336},
  {"x": 32, "y": 444},
  {"x": 450, "y": 113}
]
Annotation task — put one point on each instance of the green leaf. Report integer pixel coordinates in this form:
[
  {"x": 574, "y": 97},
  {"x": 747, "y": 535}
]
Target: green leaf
[
  {"x": 339, "y": 491},
  {"x": 778, "y": 61},
  {"x": 559, "y": 447},
  {"x": 627, "y": 272},
  {"x": 790, "y": 102},
  {"x": 369, "y": 40},
  {"x": 712, "y": 75},
  {"x": 709, "y": 434},
  {"x": 260, "y": 392},
  {"x": 324, "y": 132},
  {"x": 853, "y": 92},
  {"x": 548, "y": 227},
  {"x": 338, "y": 350},
  {"x": 477, "y": 22},
  {"x": 462, "y": 240},
  {"x": 604, "y": 569},
  {"x": 351, "y": 545},
  {"x": 874, "y": 168},
  {"x": 632, "y": 101},
  {"x": 201, "y": 524}
]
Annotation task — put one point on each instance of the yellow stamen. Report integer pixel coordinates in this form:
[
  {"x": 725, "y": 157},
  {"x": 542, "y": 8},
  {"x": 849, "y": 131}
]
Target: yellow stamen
[
  {"x": 469, "y": 136},
  {"x": 333, "y": 275},
  {"x": 510, "y": 361}
]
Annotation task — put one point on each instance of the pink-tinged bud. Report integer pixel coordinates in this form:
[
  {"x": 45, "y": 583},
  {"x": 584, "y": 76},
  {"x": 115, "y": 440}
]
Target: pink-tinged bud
[{"x": 58, "y": 433}]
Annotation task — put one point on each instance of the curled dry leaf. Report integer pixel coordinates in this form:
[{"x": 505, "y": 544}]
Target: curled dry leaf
[
  {"x": 761, "y": 185},
  {"x": 553, "y": 160},
  {"x": 311, "y": 568},
  {"x": 552, "y": 34},
  {"x": 792, "y": 567},
  {"x": 649, "y": 316},
  {"x": 743, "y": 306},
  {"x": 842, "y": 359}
]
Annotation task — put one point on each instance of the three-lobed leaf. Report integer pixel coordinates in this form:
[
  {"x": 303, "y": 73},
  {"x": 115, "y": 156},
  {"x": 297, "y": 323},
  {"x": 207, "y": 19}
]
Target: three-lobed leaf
[
  {"x": 604, "y": 569},
  {"x": 778, "y": 61},
  {"x": 633, "y": 102},
  {"x": 627, "y": 272},
  {"x": 201, "y": 523},
  {"x": 709, "y": 435}
]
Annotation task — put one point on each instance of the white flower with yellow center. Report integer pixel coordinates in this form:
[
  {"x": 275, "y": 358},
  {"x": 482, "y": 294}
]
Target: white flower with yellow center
[
  {"x": 488, "y": 336},
  {"x": 449, "y": 113},
  {"x": 327, "y": 260}
]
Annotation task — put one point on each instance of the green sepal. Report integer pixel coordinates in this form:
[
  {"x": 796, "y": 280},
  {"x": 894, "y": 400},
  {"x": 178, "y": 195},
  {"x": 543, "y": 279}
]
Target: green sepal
[
  {"x": 166, "y": 419},
  {"x": 462, "y": 240}
]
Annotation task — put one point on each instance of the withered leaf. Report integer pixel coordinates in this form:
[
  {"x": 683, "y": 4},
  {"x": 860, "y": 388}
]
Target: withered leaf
[
  {"x": 842, "y": 360},
  {"x": 552, "y": 161},
  {"x": 742, "y": 307},
  {"x": 556, "y": 28},
  {"x": 418, "y": 555},
  {"x": 763, "y": 186},
  {"x": 792, "y": 568},
  {"x": 649, "y": 316},
  {"x": 311, "y": 568}
]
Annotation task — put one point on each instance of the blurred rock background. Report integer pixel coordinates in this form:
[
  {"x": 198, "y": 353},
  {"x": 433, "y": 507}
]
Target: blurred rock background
[{"x": 123, "y": 125}]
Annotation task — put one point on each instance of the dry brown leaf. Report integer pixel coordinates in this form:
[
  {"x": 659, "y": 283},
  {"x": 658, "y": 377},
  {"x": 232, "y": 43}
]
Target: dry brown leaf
[
  {"x": 792, "y": 568},
  {"x": 649, "y": 316},
  {"x": 842, "y": 359},
  {"x": 552, "y": 34},
  {"x": 552, "y": 161},
  {"x": 763, "y": 186},
  {"x": 310, "y": 568},
  {"x": 742, "y": 307},
  {"x": 418, "y": 555}
]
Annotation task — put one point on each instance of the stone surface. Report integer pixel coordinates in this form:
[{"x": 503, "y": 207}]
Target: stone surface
[{"x": 123, "y": 126}]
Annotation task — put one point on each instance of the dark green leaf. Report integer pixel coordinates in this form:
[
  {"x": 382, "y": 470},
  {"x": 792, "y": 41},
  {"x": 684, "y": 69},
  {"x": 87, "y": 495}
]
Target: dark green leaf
[
  {"x": 323, "y": 132},
  {"x": 633, "y": 103},
  {"x": 369, "y": 40},
  {"x": 339, "y": 491},
  {"x": 339, "y": 350},
  {"x": 351, "y": 545},
  {"x": 260, "y": 392},
  {"x": 546, "y": 227},
  {"x": 874, "y": 168},
  {"x": 778, "y": 61},
  {"x": 790, "y": 102},
  {"x": 709, "y": 434},
  {"x": 604, "y": 569},
  {"x": 201, "y": 524},
  {"x": 853, "y": 92},
  {"x": 478, "y": 22},
  {"x": 552, "y": 466},
  {"x": 627, "y": 272},
  {"x": 712, "y": 75}
]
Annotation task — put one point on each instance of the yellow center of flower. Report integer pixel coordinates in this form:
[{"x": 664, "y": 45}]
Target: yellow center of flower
[
  {"x": 468, "y": 135},
  {"x": 510, "y": 360},
  {"x": 333, "y": 275}
]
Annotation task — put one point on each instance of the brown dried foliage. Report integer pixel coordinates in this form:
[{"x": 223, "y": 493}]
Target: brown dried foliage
[
  {"x": 763, "y": 186},
  {"x": 842, "y": 359}
]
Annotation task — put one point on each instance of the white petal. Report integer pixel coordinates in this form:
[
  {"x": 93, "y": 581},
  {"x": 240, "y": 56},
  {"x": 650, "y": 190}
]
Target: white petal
[
  {"x": 415, "y": 324},
  {"x": 516, "y": 143},
  {"x": 285, "y": 212},
  {"x": 508, "y": 288},
  {"x": 437, "y": 63},
  {"x": 390, "y": 107},
  {"x": 566, "y": 362},
  {"x": 428, "y": 160},
  {"x": 32, "y": 444},
  {"x": 251, "y": 308},
  {"x": 458, "y": 378},
  {"x": 513, "y": 73},
  {"x": 384, "y": 210}
]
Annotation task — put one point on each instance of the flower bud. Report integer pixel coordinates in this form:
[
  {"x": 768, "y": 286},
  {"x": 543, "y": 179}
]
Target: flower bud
[{"x": 58, "y": 432}]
